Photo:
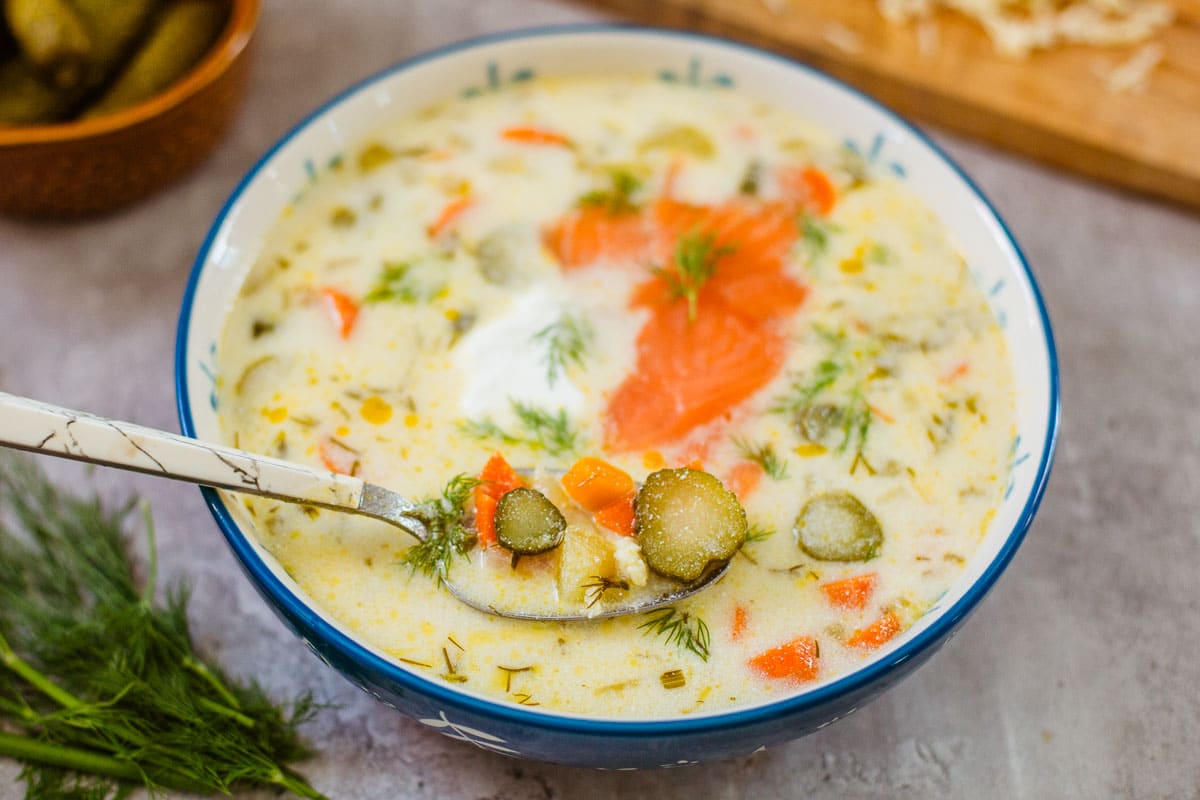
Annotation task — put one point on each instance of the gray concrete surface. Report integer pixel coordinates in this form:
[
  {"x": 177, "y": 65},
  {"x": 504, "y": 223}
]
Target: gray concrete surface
[{"x": 1079, "y": 677}]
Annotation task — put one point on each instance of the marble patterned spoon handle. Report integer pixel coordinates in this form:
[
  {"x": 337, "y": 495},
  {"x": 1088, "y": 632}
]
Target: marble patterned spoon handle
[{"x": 42, "y": 428}]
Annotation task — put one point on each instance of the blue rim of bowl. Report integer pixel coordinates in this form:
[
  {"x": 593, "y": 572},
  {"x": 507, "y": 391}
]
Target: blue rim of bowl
[{"x": 357, "y": 652}]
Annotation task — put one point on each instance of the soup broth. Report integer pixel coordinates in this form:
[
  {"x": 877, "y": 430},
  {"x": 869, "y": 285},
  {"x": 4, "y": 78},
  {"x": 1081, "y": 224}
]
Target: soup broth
[{"x": 606, "y": 278}]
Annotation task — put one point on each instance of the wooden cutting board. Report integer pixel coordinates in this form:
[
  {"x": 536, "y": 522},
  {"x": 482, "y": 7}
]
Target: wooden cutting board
[{"x": 1053, "y": 106}]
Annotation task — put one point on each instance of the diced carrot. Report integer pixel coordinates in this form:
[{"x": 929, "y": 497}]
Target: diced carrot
[
  {"x": 743, "y": 479},
  {"x": 875, "y": 634},
  {"x": 797, "y": 660},
  {"x": 497, "y": 472},
  {"x": 851, "y": 593},
  {"x": 592, "y": 233},
  {"x": 740, "y": 618},
  {"x": 652, "y": 459},
  {"x": 337, "y": 458},
  {"x": 808, "y": 187},
  {"x": 883, "y": 415},
  {"x": 618, "y": 515},
  {"x": 595, "y": 483},
  {"x": 961, "y": 369},
  {"x": 528, "y": 134},
  {"x": 485, "y": 517},
  {"x": 449, "y": 216},
  {"x": 497, "y": 478},
  {"x": 341, "y": 310}
]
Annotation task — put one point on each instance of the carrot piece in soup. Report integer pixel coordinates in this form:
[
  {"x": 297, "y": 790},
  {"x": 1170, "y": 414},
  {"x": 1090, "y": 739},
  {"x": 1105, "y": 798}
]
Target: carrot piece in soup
[
  {"x": 528, "y": 134},
  {"x": 810, "y": 188},
  {"x": 589, "y": 234},
  {"x": 853, "y": 593},
  {"x": 498, "y": 478},
  {"x": 618, "y": 515},
  {"x": 875, "y": 634},
  {"x": 449, "y": 216},
  {"x": 341, "y": 310},
  {"x": 594, "y": 483},
  {"x": 743, "y": 479},
  {"x": 337, "y": 457},
  {"x": 740, "y": 619},
  {"x": 796, "y": 660}
]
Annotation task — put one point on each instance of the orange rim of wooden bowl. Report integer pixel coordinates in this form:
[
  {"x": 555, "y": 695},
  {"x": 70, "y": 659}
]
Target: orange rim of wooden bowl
[{"x": 243, "y": 17}]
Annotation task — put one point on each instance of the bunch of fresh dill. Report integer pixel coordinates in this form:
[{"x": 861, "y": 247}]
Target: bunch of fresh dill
[{"x": 101, "y": 689}]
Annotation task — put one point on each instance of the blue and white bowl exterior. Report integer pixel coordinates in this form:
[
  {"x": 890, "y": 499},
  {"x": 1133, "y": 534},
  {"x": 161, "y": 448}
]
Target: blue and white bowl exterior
[{"x": 705, "y": 64}]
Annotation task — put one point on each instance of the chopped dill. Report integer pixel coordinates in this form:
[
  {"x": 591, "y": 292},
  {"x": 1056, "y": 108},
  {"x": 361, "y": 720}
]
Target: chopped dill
[
  {"x": 540, "y": 430},
  {"x": 618, "y": 198},
  {"x": 679, "y": 628},
  {"x": 847, "y": 367},
  {"x": 764, "y": 455},
  {"x": 395, "y": 283},
  {"x": 567, "y": 340},
  {"x": 595, "y": 587},
  {"x": 694, "y": 264},
  {"x": 758, "y": 533},
  {"x": 814, "y": 235},
  {"x": 448, "y": 535}
]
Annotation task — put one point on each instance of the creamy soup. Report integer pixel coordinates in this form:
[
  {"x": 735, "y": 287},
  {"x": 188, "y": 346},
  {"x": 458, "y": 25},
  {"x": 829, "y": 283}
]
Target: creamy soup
[{"x": 605, "y": 291}]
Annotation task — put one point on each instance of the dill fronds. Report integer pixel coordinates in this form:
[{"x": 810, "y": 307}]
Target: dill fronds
[
  {"x": 814, "y": 235},
  {"x": 694, "y": 264},
  {"x": 101, "y": 689},
  {"x": 758, "y": 533},
  {"x": 618, "y": 198},
  {"x": 566, "y": 341},
  {"x": 765, "y": 456},
  {"x": 595, "y": 587},
  {"x": 680, "y": 628},
  {"x": 540, "y": 430},
  {"x": 448, "y": 534}
]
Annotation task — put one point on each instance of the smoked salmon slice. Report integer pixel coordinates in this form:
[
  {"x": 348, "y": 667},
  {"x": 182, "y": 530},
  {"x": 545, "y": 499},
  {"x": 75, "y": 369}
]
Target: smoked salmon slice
[{"x": 589, "y": 234}]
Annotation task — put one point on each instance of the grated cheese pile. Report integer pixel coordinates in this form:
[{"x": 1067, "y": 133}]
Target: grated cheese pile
[{"x": 1018, "y": 27}]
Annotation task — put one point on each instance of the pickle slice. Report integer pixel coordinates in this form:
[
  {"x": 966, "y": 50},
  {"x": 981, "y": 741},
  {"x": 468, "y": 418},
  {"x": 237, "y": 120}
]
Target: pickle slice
[
  {"x": 527, "y": 523},
  {"x": 685, "y": 520},
  {"x": 836, "y": 526}
]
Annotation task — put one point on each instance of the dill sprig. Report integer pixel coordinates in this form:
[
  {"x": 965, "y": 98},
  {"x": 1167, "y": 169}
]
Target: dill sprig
[
  {"x": 566, "y": 340},
  {"x": 764, "y": 455},
  {"x": 618, "y": 198},
  {"x": 540, "y": 430},
  {"x": 694, "y": 264},
  {"x": 758, "y": 533},
  {"x": 448, "y": 535},
  {"x": 596, "y": 586},
  {"x": 680, "y": 628},
  {"x": 101, "y": 689},
  {"x": 844, "y": 370}
]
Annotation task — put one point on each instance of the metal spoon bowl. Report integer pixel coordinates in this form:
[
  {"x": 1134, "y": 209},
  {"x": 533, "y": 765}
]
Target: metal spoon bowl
[{"x": 41, "y": 428}]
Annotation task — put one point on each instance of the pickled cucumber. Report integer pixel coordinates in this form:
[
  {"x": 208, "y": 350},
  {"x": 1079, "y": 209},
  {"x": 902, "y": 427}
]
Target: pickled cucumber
[
  {"x": 115, "y": 27},
  {"x": 527, "y": 523},
  {"x": 685, "y": 520},
  {"x": 180, "y": 36},
  {"x": 25, "y": 100},
  {"x": 52, "y": 37},
  {"x": 836, "y": 526}
]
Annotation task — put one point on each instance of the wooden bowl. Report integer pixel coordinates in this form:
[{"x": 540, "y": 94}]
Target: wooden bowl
[{"x": 88, "y": 167}]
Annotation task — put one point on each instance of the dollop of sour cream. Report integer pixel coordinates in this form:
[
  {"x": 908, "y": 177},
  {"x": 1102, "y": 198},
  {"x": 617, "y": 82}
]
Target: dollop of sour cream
[{"x": 503, "y": 360}]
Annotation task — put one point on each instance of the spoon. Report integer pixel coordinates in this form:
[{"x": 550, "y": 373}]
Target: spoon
[{"x": 31, "y": 425}]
